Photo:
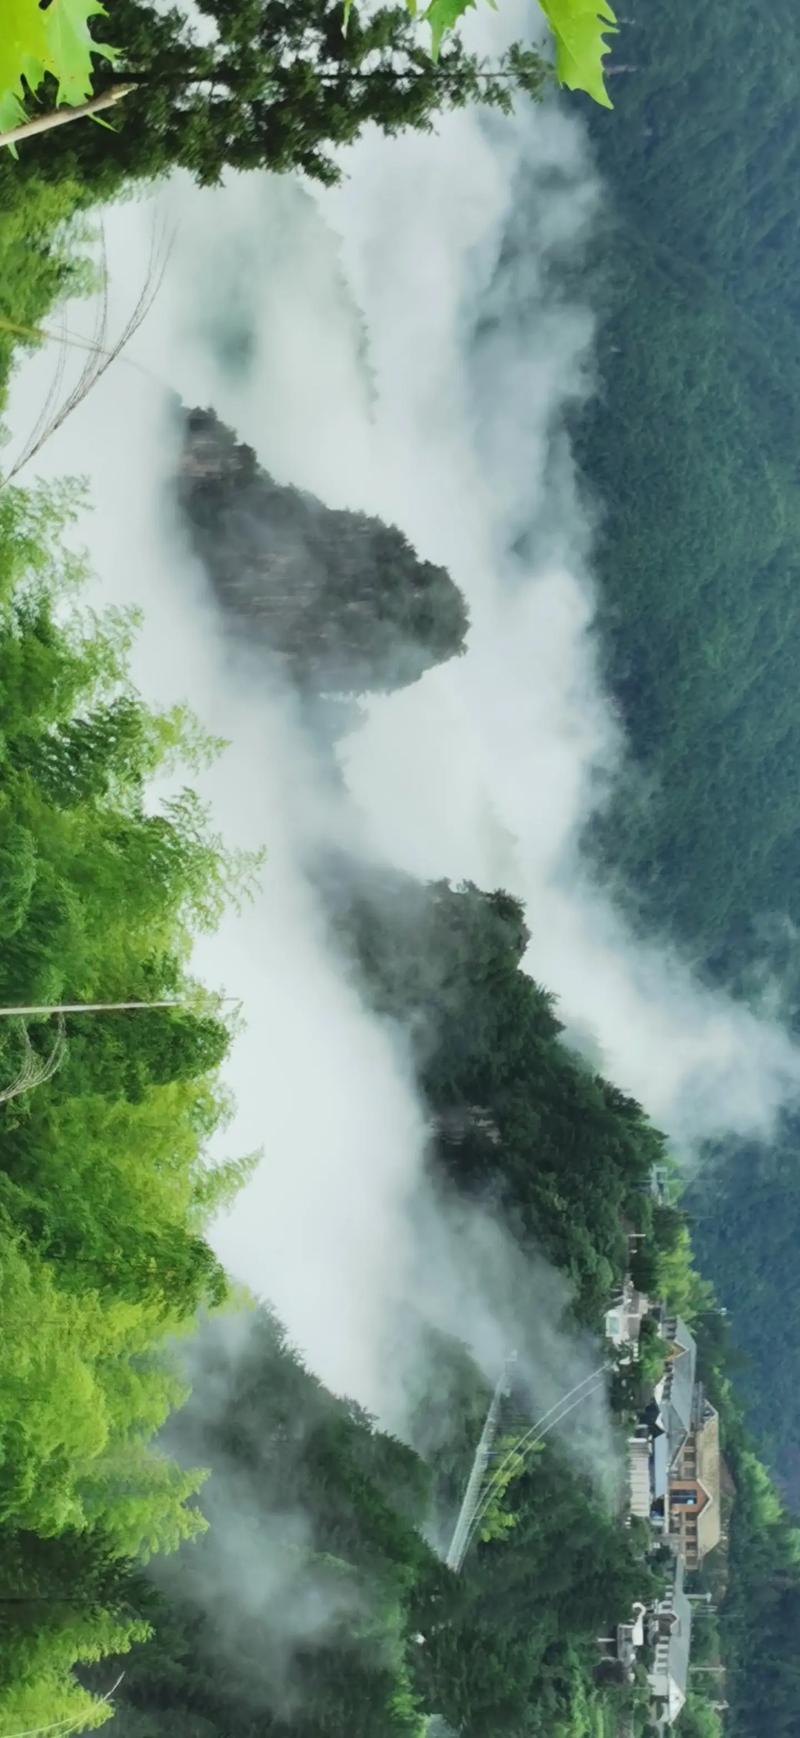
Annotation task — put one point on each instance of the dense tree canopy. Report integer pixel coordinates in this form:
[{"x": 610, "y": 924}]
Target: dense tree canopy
[
  {"x": 104, "y": 1184},
  {"x": 279, "y": 85},
  {"x": 562, "y": 1154},
  {"x": 313, "y": 1604}
]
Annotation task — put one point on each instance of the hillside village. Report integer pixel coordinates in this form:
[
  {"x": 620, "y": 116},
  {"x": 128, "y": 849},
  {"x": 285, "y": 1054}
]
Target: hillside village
[{"x": 675, "y": 1479}]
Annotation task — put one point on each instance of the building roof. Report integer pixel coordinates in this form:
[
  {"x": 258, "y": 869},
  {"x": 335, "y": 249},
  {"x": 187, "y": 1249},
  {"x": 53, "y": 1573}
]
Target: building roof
[
  {"x": 680, "y": 1641},
  {"x": 641, "y": 1496},
  {"x": 709, "y": 1521},
  {"x": 678, "y": 1387},
  {"x": 678, "y": 1645},
  {"x": 660, "y": 1465}
]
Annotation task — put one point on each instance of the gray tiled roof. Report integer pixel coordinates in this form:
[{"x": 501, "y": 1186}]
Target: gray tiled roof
[
  {"x": 669, "y": 1674},
  {"x": 680, "y": 1641},
  {"x": 679, "y": 1386}
]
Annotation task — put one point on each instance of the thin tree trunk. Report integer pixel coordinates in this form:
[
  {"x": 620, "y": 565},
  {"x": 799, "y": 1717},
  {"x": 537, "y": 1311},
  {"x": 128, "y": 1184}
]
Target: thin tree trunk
[
  {"x": 85, "y": 1008},
  {"x": 60, "y": 117},
  {"x": 44, "y": 1008}
]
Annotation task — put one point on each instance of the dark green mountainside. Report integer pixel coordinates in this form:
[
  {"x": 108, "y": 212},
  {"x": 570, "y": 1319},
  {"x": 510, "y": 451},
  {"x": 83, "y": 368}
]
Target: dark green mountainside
[
  {"x": 338, "y": 600},
  {"x": 333, "y": 1511},
  {"x": 692, "y": 446},
  {"x": 690, "y": 452}
]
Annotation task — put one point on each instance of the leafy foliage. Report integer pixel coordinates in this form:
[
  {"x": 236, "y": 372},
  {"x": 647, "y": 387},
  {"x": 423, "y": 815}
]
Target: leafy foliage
[
  {"x": 500, "y": 1086},
  {"x": 337, "y": 1616},
  {"x": 755, "y": 1579},
  {"x": 580, "y": 28},
  {"x": 751, "y": 1250},
  {"x": 443, "y": 15},
  {"x": 280, "y": 87},
  {"x": 105, "y": 1188}
]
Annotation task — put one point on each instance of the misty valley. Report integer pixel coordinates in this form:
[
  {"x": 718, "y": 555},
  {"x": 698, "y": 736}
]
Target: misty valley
[{"x": 399, "y": 1058}]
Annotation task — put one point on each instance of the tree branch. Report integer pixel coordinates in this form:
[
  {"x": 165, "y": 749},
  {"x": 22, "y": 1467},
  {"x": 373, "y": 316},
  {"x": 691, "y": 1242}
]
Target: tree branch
[{"x": 60, "y": 117}]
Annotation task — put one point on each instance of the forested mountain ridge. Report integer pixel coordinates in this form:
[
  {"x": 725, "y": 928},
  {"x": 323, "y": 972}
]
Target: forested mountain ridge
[
  {"x": 339, "y": 600},
  {"x": 709, "y": 110},
  {"x": 690, "y": 451},
  {"x": 353, "y": 1623},
  {"x": 700, "y": 532},
  {"x": 508, "y": 1646}
]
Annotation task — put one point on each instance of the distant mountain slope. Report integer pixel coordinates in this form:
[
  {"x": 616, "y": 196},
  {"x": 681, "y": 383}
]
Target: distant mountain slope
[
  {"x": 692, "y": 450},
  {"x": 699, "y": 566}
]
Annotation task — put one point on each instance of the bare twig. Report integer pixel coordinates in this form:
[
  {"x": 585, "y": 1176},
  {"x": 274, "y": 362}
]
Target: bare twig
[
  {"x": 60, "y": 117},
  {"x": 35, "y": 1069},
  {"x": 99, "y": 354}
]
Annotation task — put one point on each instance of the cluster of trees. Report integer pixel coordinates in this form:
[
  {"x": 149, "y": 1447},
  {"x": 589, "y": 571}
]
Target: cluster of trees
[
  {"x": 274, "y": 86},
  {"x": 339, "y": 600},
  {"x": 751, "y": 1249},
  {"x": 292, "y": 1614},
  {"x": 753, "y": 1578},
  {"x": 563, "y": 1157},
  {"x": 104, "y": 1185},
  {"x": 762, "y": 1613},
  {"x": 313, "y": 1603}
]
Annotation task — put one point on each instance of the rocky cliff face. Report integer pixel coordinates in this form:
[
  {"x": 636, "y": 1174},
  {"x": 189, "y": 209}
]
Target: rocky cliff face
[{"x": 339, "y": 599}]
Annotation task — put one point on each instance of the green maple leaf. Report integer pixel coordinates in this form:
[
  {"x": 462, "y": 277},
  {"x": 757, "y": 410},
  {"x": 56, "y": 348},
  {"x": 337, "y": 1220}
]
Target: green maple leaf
[
  {"x": 34, "y": 43},
  {"x": 442, "y": 15},
  {"x": 22, "y": 48},
  {"x": 580, "y": 28},
  {"x": 70, "y": 47}
]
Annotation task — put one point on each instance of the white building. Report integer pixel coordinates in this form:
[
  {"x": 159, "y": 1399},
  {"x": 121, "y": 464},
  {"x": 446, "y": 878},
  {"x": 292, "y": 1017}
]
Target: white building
[
  {"x": 623, "y": 1322},
  {"x": 671, "y": 1633}
]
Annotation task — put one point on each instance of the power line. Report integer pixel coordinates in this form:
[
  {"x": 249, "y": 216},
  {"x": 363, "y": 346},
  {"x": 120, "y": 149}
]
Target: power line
[
  {"x": 536, "y": 1434},
  {"x": 475, "y": 1505}
]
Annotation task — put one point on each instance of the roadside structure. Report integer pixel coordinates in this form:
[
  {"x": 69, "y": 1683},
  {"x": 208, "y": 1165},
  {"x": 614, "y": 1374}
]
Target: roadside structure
[
  {"x": 674, "y": 1469},
  {"x": 670, "y": 1634}
]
